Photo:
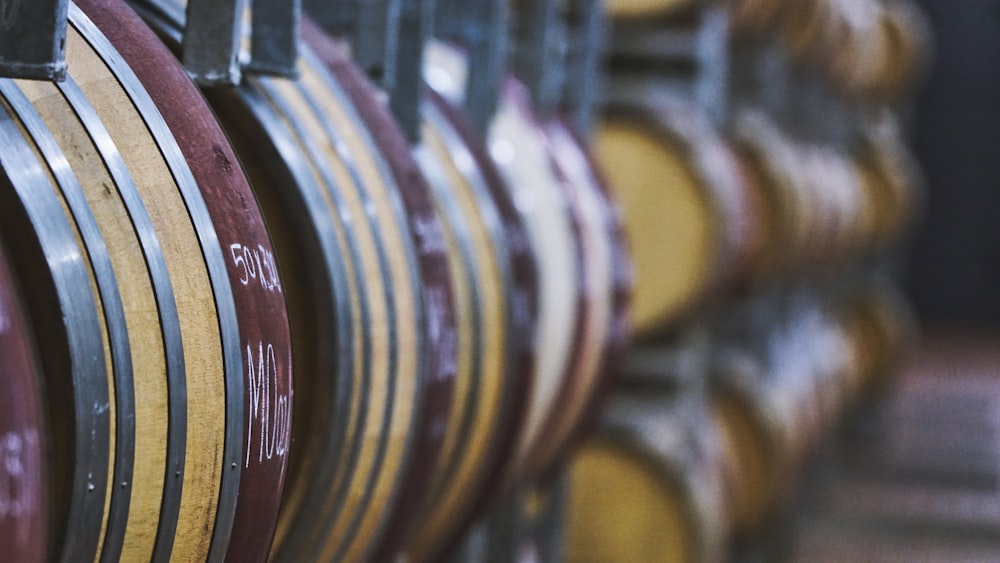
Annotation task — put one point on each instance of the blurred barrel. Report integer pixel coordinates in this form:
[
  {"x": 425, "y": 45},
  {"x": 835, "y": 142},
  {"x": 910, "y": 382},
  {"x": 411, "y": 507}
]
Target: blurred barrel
[
  {"x": 882, "y": 329},
  {"x": 607, "y": 289},
  {"x": 692, "y": 222},
  {"x": 24, "y": 439},
  {"x": 775, "y": 402},
  {"x": 827, "y": 206},
  {"x": 648, "y": 487},
  {"x": 573, "y": 233},
  {"x": 166, "y": 419},
  {"x": 868, "y": 49},
  {"x": 518, "y": 147},
  {"x": 892, "y": 179},
  {"x": 481, "y": 219}
]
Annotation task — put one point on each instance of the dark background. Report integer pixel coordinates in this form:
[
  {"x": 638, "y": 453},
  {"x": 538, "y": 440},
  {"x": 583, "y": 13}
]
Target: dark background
[{"x": 953, "y": 273}]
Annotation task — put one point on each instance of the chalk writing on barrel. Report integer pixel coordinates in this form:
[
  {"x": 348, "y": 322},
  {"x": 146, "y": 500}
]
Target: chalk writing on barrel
[
  {"x": 256, "y": 265},
  {"x": 269, "y": 414},
  {"x": 18, "y": 494}
]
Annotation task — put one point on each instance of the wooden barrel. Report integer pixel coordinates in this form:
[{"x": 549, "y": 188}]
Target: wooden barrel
[
  {"x": 689, "y": 213},
  {"x": 844, "y": 214},
  {"x": 909, "y": 45},
  {"x": 365, "y": 309},
  {"x": 444, "y": 405},
  {"x": 891, "y": 179},
  {"x": 607, "y": 289},
  {"x": 258, "y": 293},
  {"x": 776, "y": 397},
  {"x": 750, "y": 451},
  {"x": 501, "y": 311},
  {"x": 24, "y": 438},
  {"x": 882, "y": 329},
  {"x": 495, "y": 274},
  {"x": 555, "y": 187},
  {"x": 518, "y": 147},
  {"x": 804, "y": 203},
  {"x": 647, "y": 488},
  {"x": 165, "y": 422}
]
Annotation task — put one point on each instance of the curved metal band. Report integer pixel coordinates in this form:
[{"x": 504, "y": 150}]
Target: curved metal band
[
  {"x": 303, "y": 194},
  {"x": 215, "y": 262},
  {"x": 166, "y": 305},
  {"x": 114, "y": 315},
  {"x": 85, "y": 347},
  {"x": 326, "y": 518}
]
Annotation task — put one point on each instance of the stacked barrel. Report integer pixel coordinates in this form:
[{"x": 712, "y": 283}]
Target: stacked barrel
[
  {"x": 267, "y": 294},
  {"x": 758, "y": 151}
]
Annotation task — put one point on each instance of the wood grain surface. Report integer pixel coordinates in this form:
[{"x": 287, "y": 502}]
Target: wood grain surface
[
  {"x": 63, "y": 306},
  {"x": 192, "y": 289},
  {"x": 134, "y": 198},
  {"x": 265, "y": 342}
]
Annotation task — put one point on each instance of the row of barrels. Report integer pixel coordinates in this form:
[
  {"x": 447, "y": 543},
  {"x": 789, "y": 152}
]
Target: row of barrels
[
  {"x": 867, "y": 49},
  {"x": 768, "y": 185},
  {"x": 257, "y": 322},
  {"x": 711, "y": 211},
  {"x": 681, "y": 475}
]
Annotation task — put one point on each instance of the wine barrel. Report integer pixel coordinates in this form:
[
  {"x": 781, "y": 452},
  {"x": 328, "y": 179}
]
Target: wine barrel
[
  {"x": 882, "y": 329},
  {"x": 891, "y": 179},
  {"x": 491, "y": 286},
  {"x": 501, "y": 283},
  {"x": 802, "y": 229},
  {"x": 367, "y": 330},
  {"x": 836, "y": 193},
  {"x": 265, "y": 341},
  {"x": 691, "y": 219},
  {"x": 607, "y": 289},
  {"x": 518, "y": 147},
  {"x": 648, "y": 487},
  {"x": 909, "y": 39},
  {"x": 24, "y": 438},
  {"x": 174, "y": 410},
  {"x": 776, "y": 396}
]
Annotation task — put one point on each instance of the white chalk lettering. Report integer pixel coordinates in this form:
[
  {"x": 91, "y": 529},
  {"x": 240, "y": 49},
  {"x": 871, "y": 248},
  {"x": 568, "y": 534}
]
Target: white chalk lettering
[
  {"x": 256, "y": 265},
  {"x": 269, "y": 414}
]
